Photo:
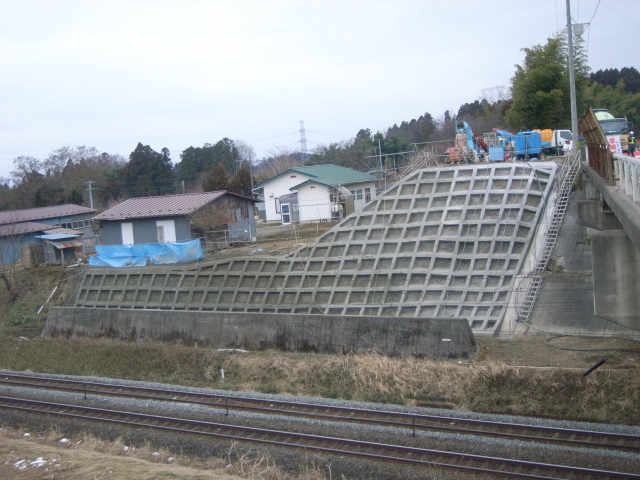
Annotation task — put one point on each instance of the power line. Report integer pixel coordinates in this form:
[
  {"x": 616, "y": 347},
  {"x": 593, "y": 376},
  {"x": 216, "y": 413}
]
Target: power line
[
  {"x": 626, "y": 17},
  {"x": 594, "y": 13},
  {"x": 277, "y": 136}
]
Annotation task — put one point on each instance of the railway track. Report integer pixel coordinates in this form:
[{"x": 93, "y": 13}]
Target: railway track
[
  {"x": 411, "y": 422},
  {"x": 490, "y": 466}
]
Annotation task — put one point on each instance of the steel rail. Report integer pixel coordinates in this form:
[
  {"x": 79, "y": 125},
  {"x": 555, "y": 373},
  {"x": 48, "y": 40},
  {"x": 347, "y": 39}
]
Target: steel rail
[
  {"x": 372, "y": 450},
  {"x": 585, "y": 438}
]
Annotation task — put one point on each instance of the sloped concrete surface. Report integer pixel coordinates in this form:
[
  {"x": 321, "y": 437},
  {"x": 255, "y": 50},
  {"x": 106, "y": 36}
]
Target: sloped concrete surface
[{"x": 445, "y": 242}]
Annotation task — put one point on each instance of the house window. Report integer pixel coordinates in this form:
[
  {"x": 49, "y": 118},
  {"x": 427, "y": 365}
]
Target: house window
[
  {"x": 367, "y": 194},
  {"x": 358, "y": 194},
  {"x": 277, "y": 200},
  {"x": 335, "y": 198}
]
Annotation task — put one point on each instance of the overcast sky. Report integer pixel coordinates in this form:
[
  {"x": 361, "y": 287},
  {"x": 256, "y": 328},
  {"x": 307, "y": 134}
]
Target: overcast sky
[{"x": 184, "y": 73}]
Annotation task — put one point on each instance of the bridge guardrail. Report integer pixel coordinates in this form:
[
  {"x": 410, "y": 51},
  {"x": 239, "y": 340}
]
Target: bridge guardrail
[{"x": 628, "y": 172}]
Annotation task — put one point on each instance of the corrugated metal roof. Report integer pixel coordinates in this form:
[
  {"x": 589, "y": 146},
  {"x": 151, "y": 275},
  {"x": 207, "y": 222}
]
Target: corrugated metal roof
[
  {"x": 168, "y": 205},
  {"x": 72, "y": 243},
  {"x": 56, "y": 236},
  {"x": 289, "y": 197},
  {"x": 329, "y": 175},
  {"x": 64, "y": 230},
  {"x": 30, "y": 214},
  {"x": 23, "y": 228}
]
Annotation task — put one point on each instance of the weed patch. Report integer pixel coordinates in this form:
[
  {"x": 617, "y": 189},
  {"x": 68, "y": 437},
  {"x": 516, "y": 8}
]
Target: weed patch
[{"x": 607, "y": 395}]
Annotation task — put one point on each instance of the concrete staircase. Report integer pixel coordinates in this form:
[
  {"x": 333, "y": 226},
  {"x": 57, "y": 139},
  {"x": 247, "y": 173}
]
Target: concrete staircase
[{"x": 533, "y": 280}]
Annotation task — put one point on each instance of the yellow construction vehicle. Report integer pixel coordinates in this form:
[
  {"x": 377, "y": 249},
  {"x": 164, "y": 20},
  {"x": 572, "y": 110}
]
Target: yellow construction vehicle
[{"x": 613, "y": 127}]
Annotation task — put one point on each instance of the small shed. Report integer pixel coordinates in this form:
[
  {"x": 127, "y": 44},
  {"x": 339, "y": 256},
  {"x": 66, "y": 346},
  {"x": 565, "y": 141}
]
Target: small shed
[
  {"x": 220, "y": 217},
  {"x": 61, "y": 246}
]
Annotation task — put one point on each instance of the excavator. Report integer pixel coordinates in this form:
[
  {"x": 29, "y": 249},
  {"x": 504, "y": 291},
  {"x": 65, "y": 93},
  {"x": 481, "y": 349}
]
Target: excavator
[{"x": 465, "y": 138}]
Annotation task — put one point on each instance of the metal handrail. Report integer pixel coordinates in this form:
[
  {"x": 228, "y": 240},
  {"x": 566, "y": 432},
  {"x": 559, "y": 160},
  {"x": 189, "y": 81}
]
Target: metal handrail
[{"x": 534, "y": 279}]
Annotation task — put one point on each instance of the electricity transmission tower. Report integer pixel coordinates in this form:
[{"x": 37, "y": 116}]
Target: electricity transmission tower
[{"x": 303, "y": 142}]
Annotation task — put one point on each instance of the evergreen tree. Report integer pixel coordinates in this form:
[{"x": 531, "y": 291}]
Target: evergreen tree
[
  {"x": 540, "y": 87},
  {"x": 611, "y": 78},
  {"x": 49, "y": 195},
  {"x": 194, "y": 161},
  {"x": 75, "y": 197},
  {"x": 241, "y": 182},
  {"x": 149, "y": 172},
  {"x": 216, "y": 179}
]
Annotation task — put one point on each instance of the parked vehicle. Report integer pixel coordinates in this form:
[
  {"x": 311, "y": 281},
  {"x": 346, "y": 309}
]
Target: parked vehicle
[
  {"x": 555, "y": 142},
  {"x": 613, "y": 127}
]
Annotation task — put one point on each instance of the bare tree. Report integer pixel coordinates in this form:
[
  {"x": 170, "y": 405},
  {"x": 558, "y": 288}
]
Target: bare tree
[
  {"x": 27, "y": 168},
  {"x": 246, "y": 151},
  {"x": 280, "y": 160},
  {"x": 12, "y": 236},
  {"x": 495, "y": 95},
  {"x": 212, "y": 223}
]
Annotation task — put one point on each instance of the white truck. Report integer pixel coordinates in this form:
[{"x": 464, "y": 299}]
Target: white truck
[{"x": 555, "y": 142}]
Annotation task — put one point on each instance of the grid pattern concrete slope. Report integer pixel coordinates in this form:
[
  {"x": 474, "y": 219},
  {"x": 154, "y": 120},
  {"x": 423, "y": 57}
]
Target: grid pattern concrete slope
[{"x": 445, "y": 242}]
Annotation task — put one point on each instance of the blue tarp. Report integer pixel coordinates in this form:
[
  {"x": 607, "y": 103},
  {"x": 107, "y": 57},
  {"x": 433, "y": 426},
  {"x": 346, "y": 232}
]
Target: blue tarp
[
  {"x": 118, "y": 262},
  {"x": 504, "y": 133},
  {"x": 528, "y": 143},
  {"x": 120, "y": 256}
]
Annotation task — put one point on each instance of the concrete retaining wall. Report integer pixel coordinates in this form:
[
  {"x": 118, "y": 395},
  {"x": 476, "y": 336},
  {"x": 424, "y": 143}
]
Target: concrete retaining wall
[
  {"x": 444, "y": 242},
  {"x": 433, "y": 337},
  {"x": 616, "y": 290}
]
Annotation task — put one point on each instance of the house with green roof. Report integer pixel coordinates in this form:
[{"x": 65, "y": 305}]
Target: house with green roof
[{"x": 316, "y": 193}]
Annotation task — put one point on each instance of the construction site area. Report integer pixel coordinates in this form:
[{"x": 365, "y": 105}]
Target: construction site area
[{"x": 447, "y": 245}]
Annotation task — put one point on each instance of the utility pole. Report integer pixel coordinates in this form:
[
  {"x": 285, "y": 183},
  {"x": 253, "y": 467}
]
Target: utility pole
[
  {"x": 572, "y": 81},
  {"x": 90, "y": 193},
  {"x": 380, "y": 152}
]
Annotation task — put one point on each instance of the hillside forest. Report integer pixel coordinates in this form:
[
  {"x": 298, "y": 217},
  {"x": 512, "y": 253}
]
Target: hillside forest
[{"x": 537, "y": 97}]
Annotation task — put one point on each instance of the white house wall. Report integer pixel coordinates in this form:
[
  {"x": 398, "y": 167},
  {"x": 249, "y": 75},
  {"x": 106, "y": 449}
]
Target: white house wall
[
  {"x": 278, "y": 187},
  {"x": 359, "y": 204},
  {"x": 314, "y": 202}
]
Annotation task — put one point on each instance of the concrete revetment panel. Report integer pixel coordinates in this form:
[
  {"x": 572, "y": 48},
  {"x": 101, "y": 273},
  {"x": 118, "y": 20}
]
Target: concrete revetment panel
[{"x": 443, "y": 242}]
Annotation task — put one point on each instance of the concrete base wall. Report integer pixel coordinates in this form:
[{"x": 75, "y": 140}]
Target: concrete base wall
[
  {"x": 590, "y": 215},
  {"x": 433, "y": 337},
  {"x": 616, "y": 278}
]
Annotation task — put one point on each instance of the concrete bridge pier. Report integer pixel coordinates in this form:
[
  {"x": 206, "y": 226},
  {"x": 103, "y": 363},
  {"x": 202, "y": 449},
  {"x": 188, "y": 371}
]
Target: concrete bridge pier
[
  {"x": 615, "y": 256},
  {"x": 616, "y": 278}
]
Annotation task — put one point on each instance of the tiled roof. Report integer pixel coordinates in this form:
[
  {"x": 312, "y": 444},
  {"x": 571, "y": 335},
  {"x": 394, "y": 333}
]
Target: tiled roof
[
  {"x": 329, "y": 175},
  {"x": 168, "y": 205},
  {"x": 31, "y": 214},
  {"x": 23, "y": 228}
]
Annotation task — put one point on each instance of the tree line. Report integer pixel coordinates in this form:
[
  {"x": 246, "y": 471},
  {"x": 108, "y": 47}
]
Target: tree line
[
  {"x": 64, "y": 176},
  {"x": 538, "y": 97}
]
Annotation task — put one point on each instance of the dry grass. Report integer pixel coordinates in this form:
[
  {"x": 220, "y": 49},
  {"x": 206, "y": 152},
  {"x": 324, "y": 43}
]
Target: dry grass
[
  {"x": 484, "y": 385},
  {"x": 49, "y": 455}
]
